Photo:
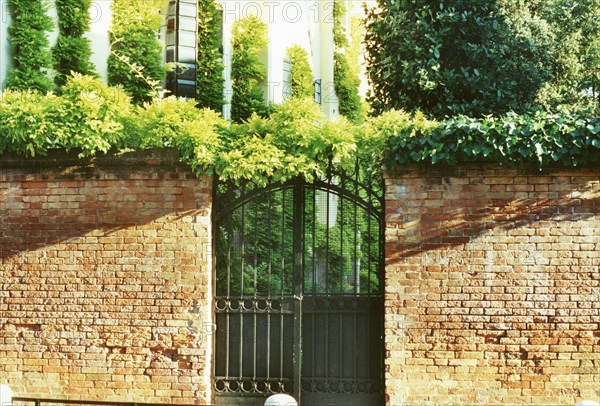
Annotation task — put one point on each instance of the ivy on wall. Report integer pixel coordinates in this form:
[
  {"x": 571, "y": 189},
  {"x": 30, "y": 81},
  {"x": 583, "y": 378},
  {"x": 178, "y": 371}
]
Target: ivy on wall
[
  {"x": 135, "y": 62},
  {"x": 345, "y": 82},
  {"x": 72, "y": 50},
  {"x": 568, "y": 138},
  {"x": 248, "y": 72},
  {"x": 27, "y": 35},
  {"x": 210, "y": 60},
  {"x": 301, "y": 73}
]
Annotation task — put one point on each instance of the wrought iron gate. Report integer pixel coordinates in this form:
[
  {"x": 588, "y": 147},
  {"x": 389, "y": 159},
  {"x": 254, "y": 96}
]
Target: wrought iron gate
[{"x": 298, "y": 292}]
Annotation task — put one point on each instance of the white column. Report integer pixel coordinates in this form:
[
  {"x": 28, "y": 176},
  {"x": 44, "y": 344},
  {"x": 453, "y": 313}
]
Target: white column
[
  {"x": 329, "y": 100},
  {"x": 100, "y": 21},
  {"x": 5, "y": 56}
]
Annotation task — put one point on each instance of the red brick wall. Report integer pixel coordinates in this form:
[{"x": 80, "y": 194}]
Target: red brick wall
[
  {"x": 105, "y": 278},
  {"x": 492, "y": 286}
]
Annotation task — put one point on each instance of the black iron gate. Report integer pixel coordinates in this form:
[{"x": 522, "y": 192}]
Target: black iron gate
[{"x": 298, "y": 292}]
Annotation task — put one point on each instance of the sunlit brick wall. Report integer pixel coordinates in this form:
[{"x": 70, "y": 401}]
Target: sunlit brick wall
[
  {"x": 105, "y": 279},
  {"x": 492, "y": 286}
]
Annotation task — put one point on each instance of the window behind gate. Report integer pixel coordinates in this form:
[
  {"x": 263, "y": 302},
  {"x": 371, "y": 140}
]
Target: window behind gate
[{"x": 298, "y": 292}]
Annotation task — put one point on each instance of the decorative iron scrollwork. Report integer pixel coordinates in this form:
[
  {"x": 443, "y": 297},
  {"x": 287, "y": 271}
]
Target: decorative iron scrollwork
[
  {"x": 252, "y": 386},
  {"x": 341, "y": 386}
]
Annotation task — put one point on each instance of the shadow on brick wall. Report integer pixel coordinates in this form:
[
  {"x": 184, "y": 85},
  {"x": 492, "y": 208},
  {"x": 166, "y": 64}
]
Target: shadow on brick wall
[{"x": 52, "y": 200}]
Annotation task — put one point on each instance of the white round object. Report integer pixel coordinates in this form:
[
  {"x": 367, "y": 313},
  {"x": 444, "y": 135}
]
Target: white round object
[
  {"x": 587, "y": 403},
  {"x": 281, "y": 400}
]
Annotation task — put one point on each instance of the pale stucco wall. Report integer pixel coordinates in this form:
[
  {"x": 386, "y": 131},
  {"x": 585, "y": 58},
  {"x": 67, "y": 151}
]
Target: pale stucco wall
[{"x": 4, "y": 46}]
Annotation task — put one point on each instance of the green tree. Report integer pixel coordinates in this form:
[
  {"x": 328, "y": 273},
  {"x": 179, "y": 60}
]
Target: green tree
[
  {"x": 301, "y": 73},
  {"x": 210, "y": 61},
  {"x": 445, "y": 59},
  {"x": 32, "y": 56},
  {"x": 345, "y": 79},
  {"x": 575, "y": 26},
  {"x": 248, "y": 72},
  {"x": 135, "y": 62},
  {"x": 72, "y": 50}
]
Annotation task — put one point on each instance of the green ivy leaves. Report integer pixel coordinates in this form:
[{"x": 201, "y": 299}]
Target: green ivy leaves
[
  {"x": 541, "y": 138},
  {"x": 210, "y": 62},
  {"x": 301, "y": 73},
  {"x": 294, "y": 141}
]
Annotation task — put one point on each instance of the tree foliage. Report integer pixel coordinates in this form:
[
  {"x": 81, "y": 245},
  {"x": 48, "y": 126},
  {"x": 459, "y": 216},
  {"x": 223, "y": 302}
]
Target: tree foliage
[
  {"x": 301, "y": 73},
  {"x": 72, "y": 50},
  {"x": 575, "y": 28},
  {"x": 27, "y": 35},
  {"x": 248, "y": 72},
  {"x": 135, "y": 62},
  {"x": 210, "y": 61},
  {"x": 448, "y": 58}
]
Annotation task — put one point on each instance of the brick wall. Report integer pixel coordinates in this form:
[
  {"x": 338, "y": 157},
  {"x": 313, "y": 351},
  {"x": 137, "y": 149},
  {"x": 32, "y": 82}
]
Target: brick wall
[
  {"x": 105, "y": 278},
  {"x": 492, "y": 286}
]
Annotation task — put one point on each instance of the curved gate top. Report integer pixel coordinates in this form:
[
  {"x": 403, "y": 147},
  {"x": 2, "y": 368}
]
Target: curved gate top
[{"x": 299, "y": 291}]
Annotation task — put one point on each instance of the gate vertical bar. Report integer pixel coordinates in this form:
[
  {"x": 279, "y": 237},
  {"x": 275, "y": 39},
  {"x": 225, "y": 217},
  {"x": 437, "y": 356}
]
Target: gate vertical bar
[{"x": 298, "y": 253}]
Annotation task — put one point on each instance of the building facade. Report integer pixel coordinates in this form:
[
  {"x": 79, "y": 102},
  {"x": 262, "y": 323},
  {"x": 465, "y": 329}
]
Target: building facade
[{"x": 305, "y": 23}]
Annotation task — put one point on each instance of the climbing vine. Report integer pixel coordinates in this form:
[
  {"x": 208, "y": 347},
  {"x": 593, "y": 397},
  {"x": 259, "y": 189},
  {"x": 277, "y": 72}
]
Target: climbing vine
[
  {"x": 248, "y": 72},
  {"x": 345, "y": 82},
  {"x": 301, "y": 73},
  {"x": 135, "y": 62},
  {"x": 72, "y": 50},
  {"x": 210, "y": 60},
  {"x": 32, "y": 56}
]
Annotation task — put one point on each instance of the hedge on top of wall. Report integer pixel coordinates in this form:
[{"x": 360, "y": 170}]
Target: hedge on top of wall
[
  {"x": 27, "y": 35},
  {"x": 295, "y": 140},
  {"x": 567, "y": 138},
  {"x": 90, "y": 117},
  {"x": 135, "y": 62},
  {"x": 72, "y": 50}
]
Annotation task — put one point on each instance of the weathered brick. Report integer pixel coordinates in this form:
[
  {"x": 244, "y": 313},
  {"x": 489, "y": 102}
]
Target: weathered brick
[
  {"x": 522, "y": 288},
  {"x": 76, "y": 322}
]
